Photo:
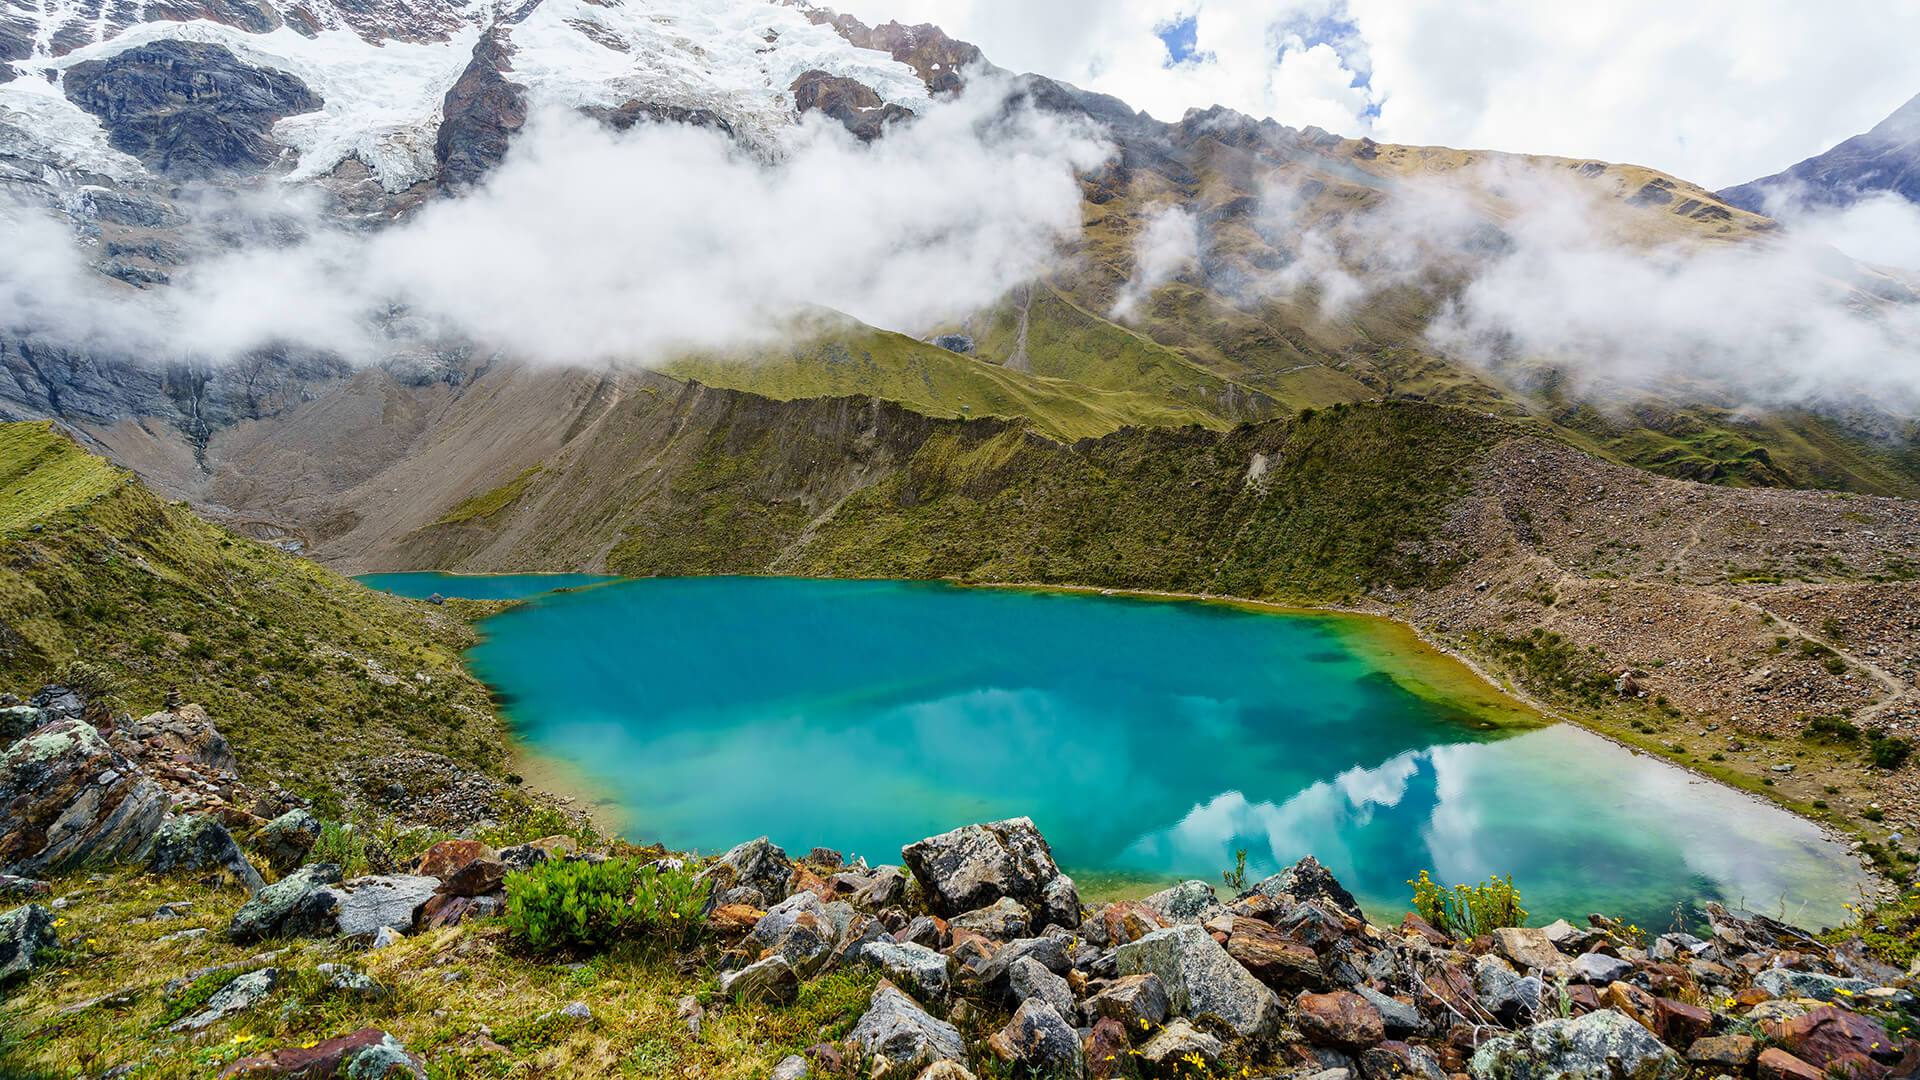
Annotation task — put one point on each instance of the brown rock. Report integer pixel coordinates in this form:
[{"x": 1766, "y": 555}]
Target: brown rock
[
  {"x": 1838, "y": 1040},
  {"x": 735, "y": 918},
  {"x": 1106, "y": 1049},
  {"x": 1129, "y": 920},
  {"x": 1637, "y": 1004},
  {"x": 1678, "y": 1023},
  {"x": 1527, "y": 947},
  {"x": 328, "y": 1059},
  {"x": 1274, "y": 959},
  {"x": 1583, "y": 998},
  {"x": 1341, "y": 1018},
  {"x": 1413, "y": 925},
  {"x": 1776, "y": 1064},
  {"x": 445, "y": 858},
  {"x": 442, "y": 909}
]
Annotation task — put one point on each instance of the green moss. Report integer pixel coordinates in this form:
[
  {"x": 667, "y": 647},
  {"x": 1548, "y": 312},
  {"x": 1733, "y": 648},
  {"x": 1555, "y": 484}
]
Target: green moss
[{"x": 489, "y": 503}]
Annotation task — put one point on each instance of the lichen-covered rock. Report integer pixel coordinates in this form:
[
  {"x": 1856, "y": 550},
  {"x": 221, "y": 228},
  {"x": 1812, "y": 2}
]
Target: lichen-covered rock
[
  {"x": 243, "y": 993},
  {"x": 915, "y": 968},
  {"x": 17, "y": 720},
  {"x": 367, "y": 1054},
  {"x": 1039, "y": 1041},
  {"x": 68, "y": 799},
  {"x": 975, "y": 865},
  {"x": 299, "y": 905},
  {"x": 771, "y": 980},
  {"x": 1308, "y": 880},
  {"x": 901, "y": 1037},
  {"x": 1187, "y": 902},
  {"x": 1002, "y": 920},
  {"x": 1603, "y": 1045},
  {"x": 800, "y": 928},
  {"x": 1138, "y": 1002},
  {"x": 393, "y": 902},
  {"x": 1180, "y": 1042},
  {"x": 757, "y": 864},
  {"x": 24, "y": 931},
  {"x": 285, "y": 841},
  {"x": 192, "y": 843},
  {"x": 1201, "y": 979},
  {"x": 1783, "y": 983}
]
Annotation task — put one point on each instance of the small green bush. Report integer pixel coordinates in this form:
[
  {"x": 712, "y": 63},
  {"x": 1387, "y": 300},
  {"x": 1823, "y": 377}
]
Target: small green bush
[
  {"x": 1830, "y": 729},
  {"x": 1468, "y": 910},
  {"x": 1888, "y": 751},
  {"x": 586, "y": 905}
]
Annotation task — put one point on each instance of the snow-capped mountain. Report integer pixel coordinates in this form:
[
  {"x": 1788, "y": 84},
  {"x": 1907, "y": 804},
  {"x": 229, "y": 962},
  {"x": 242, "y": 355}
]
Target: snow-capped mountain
[{"x": 376, "y": 76}]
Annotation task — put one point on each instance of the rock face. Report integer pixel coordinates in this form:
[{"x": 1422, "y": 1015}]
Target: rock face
[
  {"x": 298, "y": 905},
  {"x": 24, "y": 931},
  {"x": 902, "y": 1038},
  {"x": 481, "y": 113},
  {"x": 194, "y": 842},
  {"x": 1602, "y": 1045},
  {"x": 854, "y": 104},
  {"x": 67, "y": 799},
  {"x": 1201, "y": 979},
  {"x": 189, "y": 109},
  {"x": 973, "y": 866}
]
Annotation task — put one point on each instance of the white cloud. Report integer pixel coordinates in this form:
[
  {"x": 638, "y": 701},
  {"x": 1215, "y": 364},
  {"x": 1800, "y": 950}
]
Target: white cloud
[
  {"x": 1718, "y": 93},
  {"x": 591, "y": 245},
  {"x": 1166, "y": 245}
]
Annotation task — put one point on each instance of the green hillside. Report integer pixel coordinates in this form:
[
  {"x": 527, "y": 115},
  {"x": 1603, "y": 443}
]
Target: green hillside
[
  {"x": 859, "y": 361},
  {"x": 103, "y": 582}
]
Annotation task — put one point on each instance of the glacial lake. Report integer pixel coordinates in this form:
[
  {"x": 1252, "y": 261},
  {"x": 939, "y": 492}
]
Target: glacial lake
[{"x": 1149, "y": 740}]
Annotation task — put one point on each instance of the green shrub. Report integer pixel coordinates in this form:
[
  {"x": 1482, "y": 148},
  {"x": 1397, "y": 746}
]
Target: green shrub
[
  {"x": 1888, "y": 751},
  {"x": 1468, "y": 910},
  {"x": 585, "y": 905},
  {"x": 1829, "y": 729}
]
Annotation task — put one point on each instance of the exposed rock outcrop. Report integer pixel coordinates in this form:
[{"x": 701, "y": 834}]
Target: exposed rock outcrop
[
  {"x": 974, "y": 866},
  {"x": 481, "y": 114},
  {"x": 189, "y": 109},
  {"x": 68, "y": 799}
]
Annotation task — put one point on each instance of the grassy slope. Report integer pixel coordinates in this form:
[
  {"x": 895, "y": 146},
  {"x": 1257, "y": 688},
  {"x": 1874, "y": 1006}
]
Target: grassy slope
[
  {"x": 293, "y": 662},
  {"x": 861, "y": 361}
]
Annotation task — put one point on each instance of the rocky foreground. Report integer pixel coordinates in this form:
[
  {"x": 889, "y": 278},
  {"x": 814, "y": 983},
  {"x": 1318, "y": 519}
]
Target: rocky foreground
[{"x": 974, "y": 957}]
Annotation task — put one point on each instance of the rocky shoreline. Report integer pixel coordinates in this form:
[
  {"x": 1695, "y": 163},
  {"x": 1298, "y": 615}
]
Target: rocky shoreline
[{"x": 975, "y": 956}]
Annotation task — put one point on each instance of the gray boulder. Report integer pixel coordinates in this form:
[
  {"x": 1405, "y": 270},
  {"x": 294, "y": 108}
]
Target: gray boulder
[
  {"x": 757, "y": 864},
  {"x": 801, "y": 928},
  {"x": 1038, "y": 1040},
  {"x": 771, "y": 980},
  {"x": 1139, "y": 1002},
  {"x": 238, "y": 996},
  {"x": 1177, "y": 1043},
  {"x": 285, "y": 841},
  {"x": 68, "y": 800},
  {"x": 975, "y": 865},
  {"x": 393, "y": 902},
  {"x": 1187, "y": 902},
  {"x": 916, "y": 968},
  {"x": 299, "y": 905},
  {"x": 1599, "y": 969},
  {"x": 1201, "y": 979},
  {"x": 1002, "y": 920},
  {"x": 24, "y": 931},
  {"x": 1503, "y": 992},
  {"x": 1028, "y": 978},
  {"x": 1782, "y": 983},
  {"x": 902, "y": 1038},
  {"x": 192, "y": 843},
  {"x": 1602, "y": 1045}
]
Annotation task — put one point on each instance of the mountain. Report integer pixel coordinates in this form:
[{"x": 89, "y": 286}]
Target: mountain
[{"x": 1885, "y": 159}]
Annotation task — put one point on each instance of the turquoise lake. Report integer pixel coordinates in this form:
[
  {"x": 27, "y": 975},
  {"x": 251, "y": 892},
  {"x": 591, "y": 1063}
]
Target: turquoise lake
[
  {"x": 1149, "y": 740},
  {"x": 419, "y": 586}
]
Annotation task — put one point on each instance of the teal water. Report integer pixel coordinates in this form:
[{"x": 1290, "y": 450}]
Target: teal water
[
  {"x": 419, "y": 586},
  {"x": 1148, "y": 740}
]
